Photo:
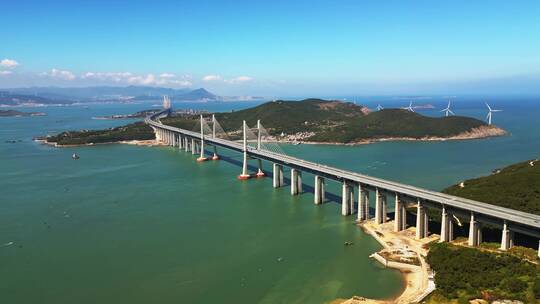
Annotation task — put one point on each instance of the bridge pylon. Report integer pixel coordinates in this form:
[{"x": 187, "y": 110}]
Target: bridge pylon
[
  {"x": 244, "y": 175},
  {"x": 215, "y": 156},
  {"x": 260, "y": 172},
  {"x": 201, "y": 157}
]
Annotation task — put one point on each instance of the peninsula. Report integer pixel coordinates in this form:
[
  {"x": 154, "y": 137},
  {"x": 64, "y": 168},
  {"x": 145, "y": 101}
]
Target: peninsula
[{"x": 312, "y": 121}]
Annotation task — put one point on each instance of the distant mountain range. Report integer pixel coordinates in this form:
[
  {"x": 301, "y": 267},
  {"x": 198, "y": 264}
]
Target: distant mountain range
[{"x": 57, "y": 95}]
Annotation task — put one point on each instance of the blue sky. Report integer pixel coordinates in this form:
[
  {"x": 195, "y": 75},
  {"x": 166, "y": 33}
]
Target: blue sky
[{"x": 275, "y": 47}]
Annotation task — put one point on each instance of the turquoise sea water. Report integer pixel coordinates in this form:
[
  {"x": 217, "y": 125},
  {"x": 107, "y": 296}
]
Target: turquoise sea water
[{"x": 128, "y": 224}]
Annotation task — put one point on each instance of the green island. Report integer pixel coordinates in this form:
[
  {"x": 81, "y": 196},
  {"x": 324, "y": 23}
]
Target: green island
[
  {"x": 311, "y": 121},
  {"x": 133, "y": 131},
  {"x": 327, "y": 121},
  {"x": 15, "y": 113}
]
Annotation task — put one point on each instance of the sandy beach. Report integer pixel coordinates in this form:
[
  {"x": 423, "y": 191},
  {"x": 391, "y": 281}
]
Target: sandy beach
[{"x": 403, "y": 252}]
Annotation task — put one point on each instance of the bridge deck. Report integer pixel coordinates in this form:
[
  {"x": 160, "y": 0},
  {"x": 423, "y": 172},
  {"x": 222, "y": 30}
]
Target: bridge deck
[{"x": 523, "y": 218}]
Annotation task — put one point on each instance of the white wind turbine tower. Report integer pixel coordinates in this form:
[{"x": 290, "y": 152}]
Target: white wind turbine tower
[
  {"x": 447, "y": 110},
  {"x": 379, "y": 107},
  {"x": 488, "y": 117},
  {"x": 410, "y": 107}
]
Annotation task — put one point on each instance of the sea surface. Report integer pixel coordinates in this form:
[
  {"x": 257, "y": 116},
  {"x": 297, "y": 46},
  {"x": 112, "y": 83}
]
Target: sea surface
[{"x": 131, "y": 224}]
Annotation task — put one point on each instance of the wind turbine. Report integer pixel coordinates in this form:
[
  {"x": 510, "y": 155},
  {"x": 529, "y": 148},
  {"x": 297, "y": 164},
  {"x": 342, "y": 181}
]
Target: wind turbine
[
  {"x": 447, "y": 110},
  {"x": 490, "y": 111},
  {"x": 410, "y": 107},
  {"x": 379, "y": 107}
]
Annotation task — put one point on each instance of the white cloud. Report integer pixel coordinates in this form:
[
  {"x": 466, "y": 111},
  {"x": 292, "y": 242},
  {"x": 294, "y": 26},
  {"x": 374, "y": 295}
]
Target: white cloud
[
  {"x": 211, "y": 78},
  {"x": 5, "y": 73},
  {"x": 239, "y": 79},
  {"x": 9, "y": 63},
  {"x": 113, "y": 77},
  {"x": 167, "y": 75},
  {"x": 59, "y": 74},
  {"x": 164, "y": 79}
]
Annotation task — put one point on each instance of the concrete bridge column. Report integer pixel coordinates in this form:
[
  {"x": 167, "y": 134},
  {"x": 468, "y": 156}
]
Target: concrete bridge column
[
  {"x": 446, "y": 226},
  {"x": 278, "y": 176},
  {"x": 507, "y": 240},
  {"x": 473, "y": 232},
  {"x": 400, "y": 218},
  {"x": 296, "y": 182},
  {"x": 186, "y": 144},
  {"x": 346, "y": 199},
  {"x": 352, "y": 207},
  {"x": 260, "y": 172},
  {"x": 363, "y": 204},
  {"x": 319, "y": 190},
  {"x": 156, "y": 133},
  {"x": 380, "y": 207},
  {"x": 421, "y": 223},
  {"x": 193, "y": 146},
  {"x": 215, "y": 156}
]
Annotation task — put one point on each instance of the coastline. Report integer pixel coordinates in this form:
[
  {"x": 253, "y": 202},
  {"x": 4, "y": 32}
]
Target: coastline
[
  {"x": 476, "y": 133},
  {"x": 146, "y": 143},
  {"x": 401, "y": 251}
]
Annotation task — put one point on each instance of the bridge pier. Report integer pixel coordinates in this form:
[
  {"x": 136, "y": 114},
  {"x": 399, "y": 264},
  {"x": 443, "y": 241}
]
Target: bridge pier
[
  {"x": 475, "y": 232},
  {"x": 447, "y": 226},
  {"x": 186, "y": 144},
  {"x": 319, "y": 190},
  {"x": 215, "y": 156},
  {"x": 296, "y": 182},
  {"x": 421, "y": 221},
  {"x": 260, "y": 172},
  {"x": 193, "y": 147},
  {"x": 400, "y": 215},
  {"x": 380, "y": 207},
  {"x": 507, "y": 240},
  {"x": 347, "y": 196},
  {"x": 363, "y": 204},
  {"x": 277, "y": 180}
]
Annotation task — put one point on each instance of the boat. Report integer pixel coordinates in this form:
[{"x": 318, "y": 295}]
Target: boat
[{"x": 75, "y": 156}]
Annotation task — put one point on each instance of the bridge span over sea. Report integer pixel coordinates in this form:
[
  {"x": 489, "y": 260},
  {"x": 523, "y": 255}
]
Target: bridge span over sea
[{"x": 403, "y": 195}]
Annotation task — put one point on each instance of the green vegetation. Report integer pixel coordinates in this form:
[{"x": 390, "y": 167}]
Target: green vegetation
[
  {"x": 336, "y": 121},
  {"x": 467, "y": 273},
  {"x": 318, "y": 120},
  {"x": 134, "y": 131},
  {"x": 516, "y": 187}
]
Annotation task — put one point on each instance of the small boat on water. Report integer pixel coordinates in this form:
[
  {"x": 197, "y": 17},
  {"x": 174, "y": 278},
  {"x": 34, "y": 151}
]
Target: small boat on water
[{"x": 75, "y": 156}]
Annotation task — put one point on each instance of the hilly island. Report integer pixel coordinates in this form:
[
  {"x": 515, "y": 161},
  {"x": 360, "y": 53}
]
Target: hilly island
[{"x": 308, "y": 121}]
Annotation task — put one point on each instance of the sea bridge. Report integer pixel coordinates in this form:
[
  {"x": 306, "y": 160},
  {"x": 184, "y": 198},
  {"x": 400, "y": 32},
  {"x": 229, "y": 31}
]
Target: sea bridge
[{"x": 403, "y": 195}]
